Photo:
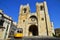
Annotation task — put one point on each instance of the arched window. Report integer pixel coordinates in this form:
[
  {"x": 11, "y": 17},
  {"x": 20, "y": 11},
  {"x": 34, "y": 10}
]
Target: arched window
[
  {"x": 25, "y": 10},
  {"x": 41, "y": 7}
]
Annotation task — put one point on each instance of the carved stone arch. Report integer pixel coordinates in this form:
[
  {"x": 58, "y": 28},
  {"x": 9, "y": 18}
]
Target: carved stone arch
[{"x": 33, "y": 29}]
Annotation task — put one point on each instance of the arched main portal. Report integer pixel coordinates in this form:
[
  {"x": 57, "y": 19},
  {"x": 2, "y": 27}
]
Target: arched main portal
[{"x": 34, "y": 30}]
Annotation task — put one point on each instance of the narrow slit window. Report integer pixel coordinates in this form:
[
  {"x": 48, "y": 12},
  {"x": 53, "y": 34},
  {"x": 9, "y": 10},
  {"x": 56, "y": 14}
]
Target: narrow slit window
[
  {"x": 23, "y": 20},
  {"x": 42, "y": 18}
]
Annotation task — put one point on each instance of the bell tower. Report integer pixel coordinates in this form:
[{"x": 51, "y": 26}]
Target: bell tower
[
  {"x": 23, "y": 14},
  {"x": 43, "y": 19}
]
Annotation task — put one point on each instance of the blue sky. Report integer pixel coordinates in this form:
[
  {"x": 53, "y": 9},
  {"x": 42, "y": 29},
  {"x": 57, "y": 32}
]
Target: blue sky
[{"x": 11, "y": 8}]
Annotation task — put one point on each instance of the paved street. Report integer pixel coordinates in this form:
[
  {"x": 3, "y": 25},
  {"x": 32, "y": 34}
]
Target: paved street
[{"x": 37, "y": 38}]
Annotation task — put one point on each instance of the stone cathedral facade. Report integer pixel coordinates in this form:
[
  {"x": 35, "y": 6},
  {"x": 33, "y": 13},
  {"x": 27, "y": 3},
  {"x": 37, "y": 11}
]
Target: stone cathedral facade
[{"x": 35, "y": 24}]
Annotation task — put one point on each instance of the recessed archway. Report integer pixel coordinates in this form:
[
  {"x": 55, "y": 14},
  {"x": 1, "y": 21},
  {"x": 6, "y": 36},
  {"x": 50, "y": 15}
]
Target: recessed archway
[{"x": 34, "y": 30}]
